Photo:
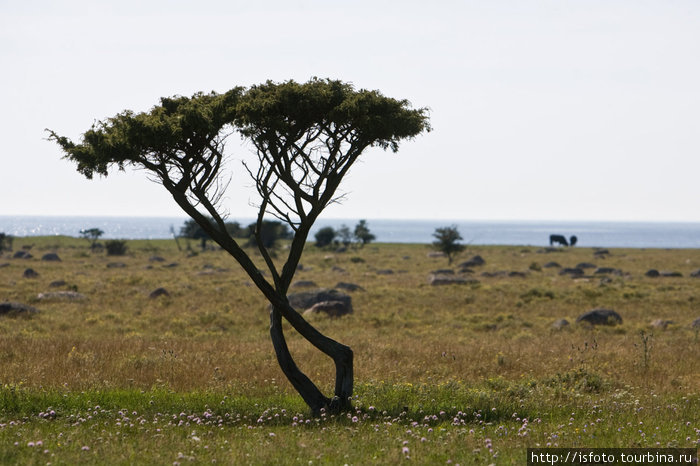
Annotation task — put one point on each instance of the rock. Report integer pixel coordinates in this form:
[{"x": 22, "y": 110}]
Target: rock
[
  {"x": 600, "y": 317},
  {"x": 653, "y": 273},
  {"x": 51, "y": 257},
  {"x": 304, "y": 283},
  {"x": 306, "y": 299},
  {"x": 666, "y": 273},
  {"x": 574, "y": 272},
  {"x": 16, "y": 309},
  {"x": 116, "y": 265},
  {"x": 473, "y": 262},
  {"x": 660, "y": 323},
  {"x": 158, "y": 292},
  {"x": 336, "y": 269},
  {"x": 696, "y": 323},
  {"x": 443, "y": 272},
  {"x": 516, "y": 273},
  {"x": 57, "y": 283},
  {"x": 348, "y": 286},
  {"x": 4, "y": 264},
  {"x": 498, "y": 273},
  {"x": 436, "y": 255},
  {"x": 30, "y": 273},
  {"x": 694, "y": 273},
  {"x": 560, "y": 324},
  {"x": 331, "y": 308},
  {"x": 384, "y": 272},
  {"x": 548, "y": 250},
  {"x": 171, "y": 265},
  {"x": 600, "y": 252},
  {"x": 607, "y": 271},
  {"x": 156, "y": 259},
  {"x": 438, "y": 279},
  {"x": 341, "y": 250},
  {"x": 586, "y": 265},
  {"x": 551, "y": 265},
  {"x": 22, "y": 255},
  {"x": 68, "y": 295}
]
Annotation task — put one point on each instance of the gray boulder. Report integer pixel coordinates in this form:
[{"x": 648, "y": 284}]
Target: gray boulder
[
  {"x": 586, "y": 265},
  {"x": 304, "y": 284},
  {"x": 652, "y": 273},
  {"x": 11, "y": 309},
  {"x": 696, "y": 323},
  {"x": 572, "y": 271},
  {"x": 51, "y": 257},
  {"x": 306, "y": 299},
  {"x": 607, "y": 271},
  {"x": 60, "y": 295},
  {"x": 22, "y": 255},
  {"x": 560, "y": 324},
  {"x": 600, "y": 317},
  {"x": 695, "y": 273},
  {"x": 158, "y": 292},
  {"x": 330, "y": 308},
  {"x": 30, "y": 273},
  {"x": 349, "y": 286},
  {"x": 660, "y": 324},
  {"x": 473, "y": 262},
  {"x": 442, "y": 279},
  {"x": 668, "y": 273}
]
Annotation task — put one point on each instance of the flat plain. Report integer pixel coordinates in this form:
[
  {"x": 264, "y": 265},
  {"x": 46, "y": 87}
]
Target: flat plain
[{"x": 470, "y": 373}]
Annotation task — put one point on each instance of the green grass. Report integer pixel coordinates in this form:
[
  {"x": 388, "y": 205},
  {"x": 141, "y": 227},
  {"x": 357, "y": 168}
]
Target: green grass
[{"x": 473, "y": 374}]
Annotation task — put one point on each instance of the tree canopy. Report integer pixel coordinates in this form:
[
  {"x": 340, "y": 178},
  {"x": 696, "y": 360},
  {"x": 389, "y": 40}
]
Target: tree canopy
[{"x": 306, "y": 137}]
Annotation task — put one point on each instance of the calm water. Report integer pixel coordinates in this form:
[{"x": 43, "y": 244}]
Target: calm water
[{"x": 531, "y": 233}]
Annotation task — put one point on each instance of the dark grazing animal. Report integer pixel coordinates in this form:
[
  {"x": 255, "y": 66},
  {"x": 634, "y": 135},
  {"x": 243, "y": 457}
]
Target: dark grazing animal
[
  {"x": 558, "y": 239},
  {"x": 573, "y": 240}
]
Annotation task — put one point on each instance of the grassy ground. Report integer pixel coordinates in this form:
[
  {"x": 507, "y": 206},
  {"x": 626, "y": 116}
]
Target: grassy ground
[{"x": 469, "y": 374}]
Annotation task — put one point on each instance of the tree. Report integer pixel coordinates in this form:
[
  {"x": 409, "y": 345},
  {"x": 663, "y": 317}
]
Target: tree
[
  {"x": 5, "y": 242},
  {"x": 192, "y": 230},
  {"x": 306, "y": 137},
  {"x": 344, "y": 235},
  {"x": 271, "y": 231},
  {"x": 324, "y": 237},
  {"x": 447, "y": 241},
  {"x": 92, "y": 235},
  {"x": 362, "y": 233}
]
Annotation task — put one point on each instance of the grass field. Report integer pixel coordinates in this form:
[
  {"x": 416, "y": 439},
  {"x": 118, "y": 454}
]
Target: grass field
[{"x": 462, "y": 374}]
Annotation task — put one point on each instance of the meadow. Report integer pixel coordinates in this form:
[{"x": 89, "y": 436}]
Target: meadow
[{"x": 470, "y": 373}]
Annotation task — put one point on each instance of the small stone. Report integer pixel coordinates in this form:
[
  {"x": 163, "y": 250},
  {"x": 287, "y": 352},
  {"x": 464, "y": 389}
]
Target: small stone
[
  {"x": 60, "y": 295},
  {"x": 51, "y": 257},
  {"x": 331, "y": 308},
  {"x": 600, "y": 317},
  {"x": 30, "y": 273},
  {"x": 16, "y": 309},
  {"x": 560, "y": 324},
  {"x": 158, "y": 292}
]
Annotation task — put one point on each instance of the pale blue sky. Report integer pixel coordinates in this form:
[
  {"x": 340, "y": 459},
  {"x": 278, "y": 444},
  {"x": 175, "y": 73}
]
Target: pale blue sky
[{"x": 561, "y": 110}]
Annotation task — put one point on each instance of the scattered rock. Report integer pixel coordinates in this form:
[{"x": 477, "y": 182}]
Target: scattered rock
[
  {"x": 30, "y": 273},
  {"x": 586, "y": 265},
  {"x": 660, "y": 323},
  {"x": 548, "y": 250},
  {"x": 51, "y": 257},
  {"x": 436, "y": 255},
  {"x": 348, "y": 286},
  {"x": 694, "y": 273},
  {"x": 171, "y": 265},
  {"x": 158, "y": 292},
  {"x": 443, "y": 272},
  {"x": 560, "y": 324},
  {"x": 68, "y": 295},
  {"x": 600, "y": 317},
  {"x": 516, "y": 273},
  {"x": 331, "y": 308},
  {"x": 653, "y": 273},
  {"x": 601, "y": 252},
  {"x": 574, "y": 272},
  {"x": 304, "y": 283},
  {"x": 696, "y": 323},
  {"x": 156, "y": 259},
  {"x": 341, "y": 250},
  {"x": 384, "y": 272},
  {"x": 607, "y": 271},
  {"x": 473, "y": 262},
  {"x": 16, "y": 309},
  {"x": 666, "y": 273},
  {"x": 57, "y": 283},
  {"x": 551, "y": 265},
  {"x": 498, "y": 273},
  {"x": 335, "y": 269},
  {"x": 438, "y": 279},
  {"x": 306, "y": 299},
  {"x": 116, "y": 265},
  {"x": 4, "y": 264},
  {"x": 22, "y": 255}
]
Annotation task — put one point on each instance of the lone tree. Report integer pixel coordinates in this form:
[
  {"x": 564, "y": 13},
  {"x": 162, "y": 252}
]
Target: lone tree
[
  {"x": 325, "y": 237},
  {"x": 306, "y": 136},
  {"x": 446, "y": 241},
  {"x": 362, "y": 233},
  {"x": 92, "y": 235}
]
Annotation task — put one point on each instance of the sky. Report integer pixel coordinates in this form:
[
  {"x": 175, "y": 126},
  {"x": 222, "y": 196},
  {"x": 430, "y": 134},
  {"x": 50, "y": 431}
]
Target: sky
[{"x": 541, "y": 110}]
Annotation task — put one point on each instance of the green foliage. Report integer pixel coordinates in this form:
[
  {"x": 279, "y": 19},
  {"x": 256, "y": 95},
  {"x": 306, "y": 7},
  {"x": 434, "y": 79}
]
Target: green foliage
[
  {"x": 325, "y": 237},
  {"x": 91, "y": 235},
  {"x": 116, "y": 247},
  {"x": 344, "y": 235},
  {"x": 447, "y": 241},
  {"x": 5, "y": 242},
  {"x": 271, "y": 232},
  {"x": 362, "y": 233}
]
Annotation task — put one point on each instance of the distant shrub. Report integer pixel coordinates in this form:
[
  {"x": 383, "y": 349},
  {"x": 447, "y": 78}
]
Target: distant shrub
[
  {"x": 5, "y": 242},
  {"x": 325, "y": 237},
  {"x": 115, "y": 247},
  {"x": 356, "y": 260}
]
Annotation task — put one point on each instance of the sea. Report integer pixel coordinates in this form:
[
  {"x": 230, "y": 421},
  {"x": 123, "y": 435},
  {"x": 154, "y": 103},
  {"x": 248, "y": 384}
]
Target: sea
[{"x": 476, "y": 232}]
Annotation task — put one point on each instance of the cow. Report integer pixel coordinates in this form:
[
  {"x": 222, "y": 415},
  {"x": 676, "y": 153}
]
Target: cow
[
  {"x": 558, "y": 239},
  {"x": 573, "y": 240}
]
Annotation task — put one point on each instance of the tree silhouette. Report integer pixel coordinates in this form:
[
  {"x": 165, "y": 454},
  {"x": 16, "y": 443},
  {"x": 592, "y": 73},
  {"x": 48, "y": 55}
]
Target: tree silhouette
[
  {"x": 446, "y": 241},
  {"x": 306, "y": 137}
]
